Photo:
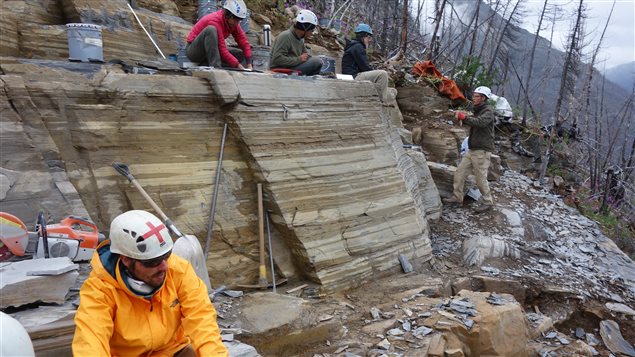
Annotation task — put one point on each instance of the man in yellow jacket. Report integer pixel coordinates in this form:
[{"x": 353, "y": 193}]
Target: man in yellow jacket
[{"x": 140, "y": 300}]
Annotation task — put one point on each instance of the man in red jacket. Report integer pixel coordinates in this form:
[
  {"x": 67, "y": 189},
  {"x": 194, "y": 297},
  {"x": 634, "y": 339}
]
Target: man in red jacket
[{"x": 206, "y": 41}]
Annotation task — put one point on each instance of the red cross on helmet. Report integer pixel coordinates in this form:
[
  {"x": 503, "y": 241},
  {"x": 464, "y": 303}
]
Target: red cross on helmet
[{"x": 139, "y": 235}]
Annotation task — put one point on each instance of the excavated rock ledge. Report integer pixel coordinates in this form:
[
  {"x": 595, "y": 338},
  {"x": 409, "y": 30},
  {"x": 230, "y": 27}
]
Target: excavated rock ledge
[{"x": 345, "y": 198}]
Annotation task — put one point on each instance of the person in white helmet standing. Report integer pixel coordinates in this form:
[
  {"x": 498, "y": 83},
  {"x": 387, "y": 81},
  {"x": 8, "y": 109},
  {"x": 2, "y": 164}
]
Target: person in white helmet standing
[
  {"x": 355, "y": 61},
  {"x": 290, "y": 52},
  {"x": 141, "y": 300},
  {"x": 206, "y": 41},
  {"x": 480, "y": 147}
]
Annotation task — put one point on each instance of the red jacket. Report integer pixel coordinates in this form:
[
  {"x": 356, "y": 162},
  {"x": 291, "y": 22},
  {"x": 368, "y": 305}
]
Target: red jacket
[{"x": 217, "y": 19}]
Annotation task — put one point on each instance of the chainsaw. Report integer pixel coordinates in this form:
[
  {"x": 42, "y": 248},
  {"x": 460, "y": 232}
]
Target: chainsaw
[{"x": 73, "y": 237}]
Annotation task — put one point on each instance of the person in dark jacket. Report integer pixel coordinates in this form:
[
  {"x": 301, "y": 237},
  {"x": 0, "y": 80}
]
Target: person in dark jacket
[
  {"x": 355, "y": 61},
  {"x": 480, "y": 148}
]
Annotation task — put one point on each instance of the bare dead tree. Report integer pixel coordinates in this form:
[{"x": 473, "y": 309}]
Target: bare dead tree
[
  {"x": 629, "y": 165},
  {"x": 417, "y": 22},
  {"x": 460, "y": 39},
  {"x": 490, "y": 25},
  {"x": 594, "y": 154},
  {"x": 567, "y": 81},
  {"x": 404, "y": 27},
  {"x": 474, "y": 34},
  {"x": 624, "y": 114},
  {"x": 438, "y": 14},
  {"x": 503, "y": 33},
  {"x": 532, "y": 56},
  {"x": 591, "y": 70},
  {"x": 626, "y": 158}
]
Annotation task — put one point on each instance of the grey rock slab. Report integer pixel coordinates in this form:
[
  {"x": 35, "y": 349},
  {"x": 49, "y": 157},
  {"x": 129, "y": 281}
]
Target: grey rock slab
[
  {"x": 405, "y": 264},
  {"x": 239, "y": 349},
  {"x": 267, "y": 311},
  {"x": 50, "y": 266},
  {"x": 375, "y": 313},
  {"x": 620, "y": 308},
  {"x": 513, "y": 218},
  {"x": 422, "y": 331},
  {"x": 613, "y": 339},
  {"x": 479, "y": 248},
  {"x": 233, "y": 293},
  {"x": 490, "y": 270},
  {"x": 591, "y": 340},
  {"x": 395, "y": 332},
  {"x": 18, "y": 287},
  {"x": 384, "y": 344},
  {"x": 579, "y": 332}
]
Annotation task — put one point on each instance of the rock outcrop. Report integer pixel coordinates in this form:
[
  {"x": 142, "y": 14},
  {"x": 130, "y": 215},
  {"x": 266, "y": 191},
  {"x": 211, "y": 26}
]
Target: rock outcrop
[{"x": 345, "y": 197}]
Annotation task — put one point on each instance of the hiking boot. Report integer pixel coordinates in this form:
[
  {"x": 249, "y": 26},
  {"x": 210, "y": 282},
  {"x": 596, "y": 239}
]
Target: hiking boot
[
  {"x": 483, "y": 207},
  {"x": 452, "y": 200}
]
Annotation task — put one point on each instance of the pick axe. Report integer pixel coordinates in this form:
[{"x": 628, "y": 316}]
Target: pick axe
[{"x": 185, "y": 246}]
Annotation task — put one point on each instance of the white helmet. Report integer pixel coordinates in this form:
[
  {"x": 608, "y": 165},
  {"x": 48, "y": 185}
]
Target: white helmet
[
  {"x": 15, "y": 339},
  {"x": 236, "y": 7},
  {"x": 484, "y": 91},
  {"x": 306, "y": 17},
  {"x": 139, "y": 235}
]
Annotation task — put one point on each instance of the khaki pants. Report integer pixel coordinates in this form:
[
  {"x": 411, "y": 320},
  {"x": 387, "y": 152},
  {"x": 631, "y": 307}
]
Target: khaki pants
[
  {"x": 379, "y": 77},
  {"x": 474, "y": 162}
]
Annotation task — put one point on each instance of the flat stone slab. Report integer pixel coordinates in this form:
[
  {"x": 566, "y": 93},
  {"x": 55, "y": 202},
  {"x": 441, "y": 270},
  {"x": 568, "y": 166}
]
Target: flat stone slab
[
  {"x": 262, "y": 312},
  {"x": 45, "y": 280},
  {"x": 239, "y": 349}
]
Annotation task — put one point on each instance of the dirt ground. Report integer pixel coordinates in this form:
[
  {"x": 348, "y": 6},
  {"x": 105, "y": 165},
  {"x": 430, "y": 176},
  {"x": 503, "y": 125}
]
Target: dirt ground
[{"x": 439, "y": 278}]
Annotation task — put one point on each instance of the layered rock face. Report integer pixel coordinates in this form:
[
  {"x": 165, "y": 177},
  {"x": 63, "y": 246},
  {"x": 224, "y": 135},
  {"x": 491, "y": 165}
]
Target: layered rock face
[
  {"x": 36, "y": 28},
  {"x": 344, "y": 198},
  {"x": 344, "y": 195}
]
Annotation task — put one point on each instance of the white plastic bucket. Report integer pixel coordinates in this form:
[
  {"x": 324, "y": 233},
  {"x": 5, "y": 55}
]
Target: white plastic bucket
[
  {"x": 84, "y": 42},
  {"x": 260, "y": 57}
]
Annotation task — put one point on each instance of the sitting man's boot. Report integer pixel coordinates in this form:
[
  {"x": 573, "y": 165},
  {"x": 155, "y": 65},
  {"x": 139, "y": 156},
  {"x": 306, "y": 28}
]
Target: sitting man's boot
[{"x": 452, "y": 200}]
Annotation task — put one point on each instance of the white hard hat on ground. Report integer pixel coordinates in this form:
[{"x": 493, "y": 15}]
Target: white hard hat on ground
[
  {"x": 236, "y": 7},
  {"x": 15, "y": 339},
  {"x": 139, "y": 235}
]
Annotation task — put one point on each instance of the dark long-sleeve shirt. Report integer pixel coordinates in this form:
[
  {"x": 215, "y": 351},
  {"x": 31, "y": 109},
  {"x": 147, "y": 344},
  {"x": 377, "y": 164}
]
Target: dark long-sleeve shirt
[
  {"x": 481, "y": 128},
  {"x": 355, "y": 59}
]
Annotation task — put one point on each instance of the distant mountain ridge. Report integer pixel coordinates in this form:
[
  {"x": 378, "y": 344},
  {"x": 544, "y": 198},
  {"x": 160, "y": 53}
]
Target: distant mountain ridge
[{"x": 622, "y": 75}]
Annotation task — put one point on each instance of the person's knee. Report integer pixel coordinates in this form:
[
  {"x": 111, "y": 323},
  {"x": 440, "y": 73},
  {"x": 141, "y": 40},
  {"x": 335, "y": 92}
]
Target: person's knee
[
  {"x": 210, "y": 31},
  {"x": 315, "y": 64}
]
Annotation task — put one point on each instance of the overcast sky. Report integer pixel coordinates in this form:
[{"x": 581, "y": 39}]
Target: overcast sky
[{"x": 619, "y": 41}]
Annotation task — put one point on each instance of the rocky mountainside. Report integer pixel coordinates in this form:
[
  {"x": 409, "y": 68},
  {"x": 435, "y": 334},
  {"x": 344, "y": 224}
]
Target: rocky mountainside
[{"x": 622, "y": 75}]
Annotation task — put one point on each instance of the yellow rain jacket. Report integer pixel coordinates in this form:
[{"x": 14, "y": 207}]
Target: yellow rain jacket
[{"x": 112, "y": 320}]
